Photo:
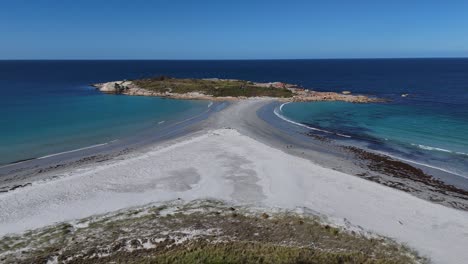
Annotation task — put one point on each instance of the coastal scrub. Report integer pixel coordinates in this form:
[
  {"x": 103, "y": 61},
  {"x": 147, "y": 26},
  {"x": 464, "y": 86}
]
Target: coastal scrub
[
  {"x": 214, "y": 87},
  {"x": 202, "y": 231}
]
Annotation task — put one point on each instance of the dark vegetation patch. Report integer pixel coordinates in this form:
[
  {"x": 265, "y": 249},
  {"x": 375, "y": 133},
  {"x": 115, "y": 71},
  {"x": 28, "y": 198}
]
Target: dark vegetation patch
[
  {"x": 402, "y": 170},
  {"x": 317, "y": 137},
  {"x": 214, "y": 87}
]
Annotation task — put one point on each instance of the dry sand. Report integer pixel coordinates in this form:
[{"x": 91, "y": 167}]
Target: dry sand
[{"x": 229, "y": 164}]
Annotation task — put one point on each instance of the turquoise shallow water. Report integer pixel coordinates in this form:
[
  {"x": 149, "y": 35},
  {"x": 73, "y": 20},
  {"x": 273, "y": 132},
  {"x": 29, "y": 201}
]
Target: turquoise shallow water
[
  {"x": 419, "y": 133},
  {"x": 62, "y": 123}
]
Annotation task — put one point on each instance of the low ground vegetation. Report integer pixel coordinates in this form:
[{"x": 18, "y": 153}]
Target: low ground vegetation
[
  {"x": 201, "y": 232},
  {"x": 214, "y": 87}
]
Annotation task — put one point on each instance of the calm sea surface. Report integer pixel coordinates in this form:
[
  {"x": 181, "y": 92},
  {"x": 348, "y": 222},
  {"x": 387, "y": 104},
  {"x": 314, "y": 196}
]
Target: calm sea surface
[{"x": 48, "y": 106}]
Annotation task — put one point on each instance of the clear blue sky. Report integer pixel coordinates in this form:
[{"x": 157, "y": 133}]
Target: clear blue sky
[{"x": 237, "y": 29}]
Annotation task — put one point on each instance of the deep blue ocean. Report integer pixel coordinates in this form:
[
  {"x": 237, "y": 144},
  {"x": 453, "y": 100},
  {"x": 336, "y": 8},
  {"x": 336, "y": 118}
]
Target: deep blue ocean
[{"x": 49, "y": 107}]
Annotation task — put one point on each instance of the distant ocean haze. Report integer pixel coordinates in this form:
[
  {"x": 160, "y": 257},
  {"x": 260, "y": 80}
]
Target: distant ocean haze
[{"x": 48, "y": 106}]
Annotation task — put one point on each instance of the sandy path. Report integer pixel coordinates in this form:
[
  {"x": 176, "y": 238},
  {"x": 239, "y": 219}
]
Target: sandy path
[{"x": 226, "y": 164}]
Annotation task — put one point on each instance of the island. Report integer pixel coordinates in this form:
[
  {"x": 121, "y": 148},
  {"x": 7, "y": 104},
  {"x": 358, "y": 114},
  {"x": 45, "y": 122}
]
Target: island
[{"x": 224, "y": 89}]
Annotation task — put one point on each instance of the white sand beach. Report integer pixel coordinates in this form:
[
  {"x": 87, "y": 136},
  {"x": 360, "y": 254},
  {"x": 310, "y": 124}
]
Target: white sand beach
[{"x": 230, "y": 164}]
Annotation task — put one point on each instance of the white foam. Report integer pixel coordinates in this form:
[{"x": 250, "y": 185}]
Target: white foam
[
  {"x": 392, "y": 156},
  {"x": 75, "y": 150},
  {"x": 438, "y": 149},
  {"x": 281, "y": 106},
  {"x": 302, "y": 125},
  {"x": 60, "y": 153},
  {"x": 422, "y": 164},
  {"x": 431, "y": 148}
]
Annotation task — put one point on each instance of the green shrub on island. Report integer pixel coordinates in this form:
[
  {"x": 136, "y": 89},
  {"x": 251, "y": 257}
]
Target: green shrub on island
[{"x": 214, "y": 87}]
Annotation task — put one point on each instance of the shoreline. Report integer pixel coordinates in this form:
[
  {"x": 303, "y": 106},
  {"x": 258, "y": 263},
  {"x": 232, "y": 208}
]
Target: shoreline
[
  {"x": 265, "y": 127},
  {"x": 236, "y": 140},
  {"x": 20, "y": 173},
  {"x": 421, "y": 181}
]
